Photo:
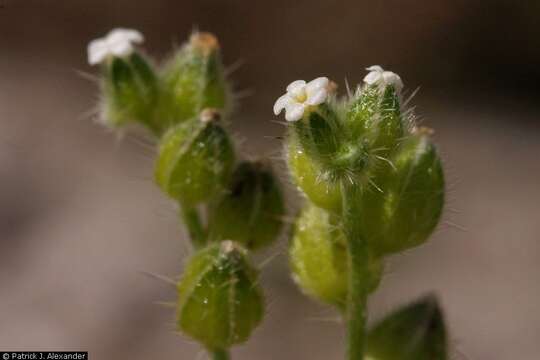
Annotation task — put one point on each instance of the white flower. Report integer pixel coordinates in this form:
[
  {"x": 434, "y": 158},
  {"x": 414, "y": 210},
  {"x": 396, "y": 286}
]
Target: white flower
[
  {"x": 118, "y": 42},
  {"x": 381, "y": 78},
  {"x": 300, "y": 96}
]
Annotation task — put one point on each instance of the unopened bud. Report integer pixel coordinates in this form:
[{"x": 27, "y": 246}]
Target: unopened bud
[
  {"x": 195, "y": 160},
  {"x": 193, "y": 80},
  {"x": 219, "y": 300}
]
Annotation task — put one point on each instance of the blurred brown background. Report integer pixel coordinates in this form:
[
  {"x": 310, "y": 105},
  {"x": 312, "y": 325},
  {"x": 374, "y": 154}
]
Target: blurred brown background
[{"x": 81, "y": 220}]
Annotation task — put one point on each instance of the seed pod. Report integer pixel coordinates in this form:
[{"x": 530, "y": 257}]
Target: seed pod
[
  {"x": 251, "y": 210},
  {"x": 407, "y": 204},
  {"x": 309, "y": 178},
  {"x": 415, "y": 332},
  {"x": 195, "y": 159},
  {"x": 130, "y": 92},
  {"x": 193, "y": 80},
  {"x": 219, "y": 300},
  {"x": 318, "y": 257}
]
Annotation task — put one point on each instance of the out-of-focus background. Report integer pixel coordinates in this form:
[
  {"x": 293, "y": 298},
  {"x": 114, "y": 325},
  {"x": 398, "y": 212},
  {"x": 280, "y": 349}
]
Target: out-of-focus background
[{"x": 81, "y": 221}]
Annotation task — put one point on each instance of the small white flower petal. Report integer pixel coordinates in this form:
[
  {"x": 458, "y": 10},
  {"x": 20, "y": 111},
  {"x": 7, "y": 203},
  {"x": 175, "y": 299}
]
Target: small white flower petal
[
  {"x": 97, "y": 51},
  {"x": 294, "y": 111},
  {"x": 314, "y": 85},
  {"x": 375, "y": 68},
  {"x": 125, "y": 35},
  {"x": 372, "y": 78},
  {"x": 318, "y": 97},
  {"x": 281, "y": 103},
  {"x": 121, "y": 49},
  {"x": 295, "y": 85},
  {"x": 118, "y": 42},
  {"x": 298, "y": 93},
  {"x": 391, "y": 78}
]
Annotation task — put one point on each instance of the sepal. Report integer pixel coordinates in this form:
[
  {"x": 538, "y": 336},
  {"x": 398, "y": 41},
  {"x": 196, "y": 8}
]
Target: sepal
[
  {"x": 251, "y": 210},
  {"x": 414, "y": 332}
]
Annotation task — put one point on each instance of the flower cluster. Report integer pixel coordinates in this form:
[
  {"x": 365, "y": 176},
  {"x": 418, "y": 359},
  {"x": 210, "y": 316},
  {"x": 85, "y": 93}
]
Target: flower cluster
[
  {"x": 372, "y": 180},
  {"x": 185, "y": 105},
  {"x": 374, "y": 186}
]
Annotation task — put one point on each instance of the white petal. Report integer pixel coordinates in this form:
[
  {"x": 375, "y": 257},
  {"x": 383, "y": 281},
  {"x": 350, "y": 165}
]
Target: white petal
[
  {"x": 318, "y": 83},
  {"x": 294, "y": 111},
  {"x": 281, "y": 103},
  {"x": 295, "y": 85},
  {"x": 97, "y": 51},
  {"x": 376, "y": 68},
  {"x": 121, "y": 48},
  {"x": 372, "y": 78},
  {"x": 391, "y": 78},
  {"x": 125, "y": 35},
  {"x": 318, "y": 97}
]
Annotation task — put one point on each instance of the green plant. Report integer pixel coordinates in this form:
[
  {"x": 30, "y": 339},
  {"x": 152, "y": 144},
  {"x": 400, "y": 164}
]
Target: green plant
[
  {"x": 373, "y": 185},
  {"x": 185, "y": 104},
  {"x": 372, "y": 181}
]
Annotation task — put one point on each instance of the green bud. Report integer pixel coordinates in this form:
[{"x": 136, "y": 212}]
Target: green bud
[
  {"x": 318, "y": 257},
  {"x": 309, "y": 177},
  {"x": 407, "y": 204},
  {"x": 130, "y": 92},
  {"x": 195, "y": 159},
  {"x": 194, "y": 80},
  {"x": 415, "y": 332},
  {"x": 251, "y": 210},
  {"x": 219, "y": 300}
]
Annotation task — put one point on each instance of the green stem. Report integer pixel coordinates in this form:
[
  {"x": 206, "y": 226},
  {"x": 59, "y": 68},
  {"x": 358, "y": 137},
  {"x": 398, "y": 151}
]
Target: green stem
[
  {"x": 220, "y": 355},
  {"x": 358, "y": 256},
  {"x": 191, "y": 219}
]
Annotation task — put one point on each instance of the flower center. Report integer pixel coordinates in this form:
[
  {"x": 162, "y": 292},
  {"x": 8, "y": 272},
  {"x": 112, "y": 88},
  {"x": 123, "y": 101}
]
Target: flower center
[{"x": 300, "y": 96}]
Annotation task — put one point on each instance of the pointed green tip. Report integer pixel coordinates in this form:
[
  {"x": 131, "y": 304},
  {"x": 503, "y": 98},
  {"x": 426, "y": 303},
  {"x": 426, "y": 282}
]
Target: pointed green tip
[{"x": 414, "y": 332}]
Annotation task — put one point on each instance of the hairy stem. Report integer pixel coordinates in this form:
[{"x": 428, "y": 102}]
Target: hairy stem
[
  {"x": 356, "y": 315},
  {"x": 220, "y": 355},
  {"x": 191, "y": 219}
]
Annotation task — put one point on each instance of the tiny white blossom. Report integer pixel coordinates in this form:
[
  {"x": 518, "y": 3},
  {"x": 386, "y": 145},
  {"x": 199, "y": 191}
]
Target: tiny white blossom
[
  {"x": 300, "y": 96},
  {"x": 381, "y": 78},
  {"x": 118, "y": 42}
]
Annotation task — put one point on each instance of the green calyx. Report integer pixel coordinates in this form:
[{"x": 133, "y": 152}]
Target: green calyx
[
  {"x": 415, "y": 332},
  {"x": 130, "y": 92},
  {"x": 251, "y": 209},
  {"x": 195, "y": 159},
  {"x": 406, "y": 202},
  {"x": 367, "y": 142},
  {"x": 193, "y": 80},
  {"x": 375, "y": 118},
  {"x": 219, "y": 300},
  {"x": 318, "y": 257},
  {"x": 310, "y": 178}
]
